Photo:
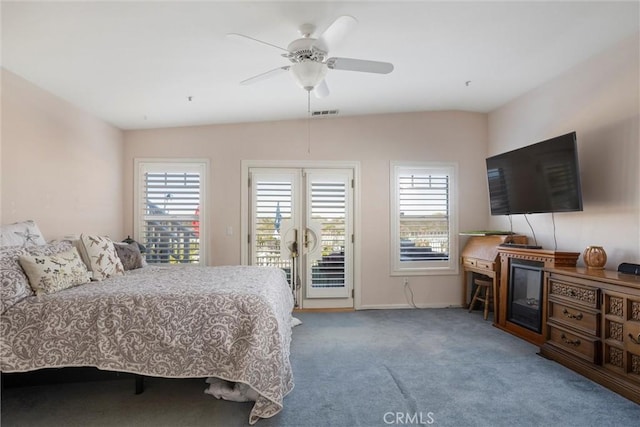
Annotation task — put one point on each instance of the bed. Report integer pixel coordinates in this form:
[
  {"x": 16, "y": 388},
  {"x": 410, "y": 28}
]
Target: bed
[{"x": 232, "y": 323}]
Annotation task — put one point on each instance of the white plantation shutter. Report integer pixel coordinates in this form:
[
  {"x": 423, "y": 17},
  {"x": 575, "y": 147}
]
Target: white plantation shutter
[
  {"x": 328, "y": 209},
  {"x": 170, "y": 211},
  {"x": 273, "y": 204},
  {"x": 328, "y": 221},
  {"x": 423, "y": 218}
]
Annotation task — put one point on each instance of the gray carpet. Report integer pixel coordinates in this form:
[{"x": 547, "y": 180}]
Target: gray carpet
[{"x": 370, "y": 368}]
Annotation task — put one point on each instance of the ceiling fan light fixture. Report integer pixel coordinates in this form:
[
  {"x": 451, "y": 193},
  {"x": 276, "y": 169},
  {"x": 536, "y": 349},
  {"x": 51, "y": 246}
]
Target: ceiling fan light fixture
[
  {"x": 309, "y": 57},
  {"x": 308, "y": 74}
]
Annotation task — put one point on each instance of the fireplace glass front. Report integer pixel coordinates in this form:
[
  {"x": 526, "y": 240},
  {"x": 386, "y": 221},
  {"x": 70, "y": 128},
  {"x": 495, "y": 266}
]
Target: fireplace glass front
[{"x": 525, "y": 294}]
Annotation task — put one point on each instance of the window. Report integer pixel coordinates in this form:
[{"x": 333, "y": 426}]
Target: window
[
  {"x": 169, "y": 210},
  {"x": 423, "y": 218}
]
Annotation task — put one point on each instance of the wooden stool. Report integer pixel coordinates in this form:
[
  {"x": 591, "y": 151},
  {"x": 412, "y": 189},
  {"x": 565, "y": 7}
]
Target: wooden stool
[{"x": 485, "y": 297}]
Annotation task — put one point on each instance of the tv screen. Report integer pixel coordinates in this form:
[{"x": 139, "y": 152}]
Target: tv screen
[{"x": 543, "y": 177}]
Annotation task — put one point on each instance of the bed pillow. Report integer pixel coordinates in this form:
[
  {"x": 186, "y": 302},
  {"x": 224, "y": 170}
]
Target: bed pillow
[
  {"x": 129, "y": 255},
  {"x": 53, "y": 273},
  {"x": 101, "y": 256},
  {"x": 14, "y": 285},
  {"x": 14, "y": 282},
  {"x": 25, "y": 233},
  {"x": 51, "y": 248}
]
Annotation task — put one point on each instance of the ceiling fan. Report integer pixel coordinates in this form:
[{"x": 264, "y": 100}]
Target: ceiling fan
[{"x": 309, "y": 57}]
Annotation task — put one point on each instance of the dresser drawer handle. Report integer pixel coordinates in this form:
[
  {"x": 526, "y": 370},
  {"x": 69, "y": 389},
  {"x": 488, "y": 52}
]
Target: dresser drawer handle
[
  {"x": 572, "y": 316},
  {"x": 570, "y": 342},
  {"x": 634, "y": 340}
]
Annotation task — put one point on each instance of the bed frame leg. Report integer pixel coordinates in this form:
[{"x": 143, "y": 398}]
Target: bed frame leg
[{"x": 139, "y": 384}]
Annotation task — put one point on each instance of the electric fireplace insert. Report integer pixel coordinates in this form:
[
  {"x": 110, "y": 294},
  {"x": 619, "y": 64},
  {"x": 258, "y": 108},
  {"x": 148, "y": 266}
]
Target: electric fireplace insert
[{"x": 525, "y": 294}]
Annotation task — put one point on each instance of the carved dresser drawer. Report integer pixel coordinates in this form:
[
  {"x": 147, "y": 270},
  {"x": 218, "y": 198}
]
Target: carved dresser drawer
[
  {"x": 579, "y": 318},
  {"x": 570, "y": 292},
  {"x": 622, "y": 334},
  {"x": 585, "y": 347},
  {"x": 632, "y": 346}
]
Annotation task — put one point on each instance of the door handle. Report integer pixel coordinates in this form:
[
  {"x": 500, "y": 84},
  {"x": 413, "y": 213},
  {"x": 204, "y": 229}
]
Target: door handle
[
  {"x": 293, "y": 247},
  {"x": 310, "y": 240}
]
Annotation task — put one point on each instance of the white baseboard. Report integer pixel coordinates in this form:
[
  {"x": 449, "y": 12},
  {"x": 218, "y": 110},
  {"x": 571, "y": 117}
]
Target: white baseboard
[{"x": 404, "y": 306}]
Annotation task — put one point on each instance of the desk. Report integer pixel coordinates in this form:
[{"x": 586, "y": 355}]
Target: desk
[{"x": 480, "y": 255}]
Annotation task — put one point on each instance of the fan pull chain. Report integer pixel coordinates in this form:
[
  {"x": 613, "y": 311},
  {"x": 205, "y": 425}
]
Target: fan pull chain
[{"x": 308, "y": 122}]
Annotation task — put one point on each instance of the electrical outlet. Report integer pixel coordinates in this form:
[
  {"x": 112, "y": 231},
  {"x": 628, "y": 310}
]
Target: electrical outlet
[{"x": 405, "y": 281}]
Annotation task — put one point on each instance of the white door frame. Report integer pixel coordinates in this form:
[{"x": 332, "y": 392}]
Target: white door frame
[{"x": 244, "y": 207}]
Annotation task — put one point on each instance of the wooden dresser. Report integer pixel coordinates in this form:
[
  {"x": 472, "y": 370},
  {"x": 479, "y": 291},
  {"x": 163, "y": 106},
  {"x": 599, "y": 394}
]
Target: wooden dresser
[
  {"x": 480, "y": 255},
  {"x": 593, "y": 326}
]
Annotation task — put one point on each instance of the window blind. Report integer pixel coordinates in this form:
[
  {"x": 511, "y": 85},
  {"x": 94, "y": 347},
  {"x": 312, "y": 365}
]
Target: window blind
[
  {"x": 423, "y": 203},
  {"x": 272, "y": 205},
  {"x": 170, "y": 206},
  {"x": 329, "y": 209}
]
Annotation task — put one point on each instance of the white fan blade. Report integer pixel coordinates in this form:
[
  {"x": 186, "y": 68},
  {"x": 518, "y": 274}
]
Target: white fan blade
[
  {"x": 366, "y": 66},
  {"x": 242, "y": 37},
  {"x": 266, "y": 75},
  {"x": 321, "y": 90},
  {"x": 336, "y": 32}
]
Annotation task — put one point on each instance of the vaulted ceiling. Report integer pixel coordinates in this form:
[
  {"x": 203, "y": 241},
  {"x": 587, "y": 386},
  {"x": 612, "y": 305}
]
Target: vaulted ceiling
[{"x": 160, "y": 64}]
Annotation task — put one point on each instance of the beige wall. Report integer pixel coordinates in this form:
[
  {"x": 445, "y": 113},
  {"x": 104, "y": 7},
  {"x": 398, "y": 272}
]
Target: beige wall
[
  {"x": 60, "y": 166},
  {"x": 74, "y": 173},
  {"x": 372, "y": 140},
  {"x": 599, "y": 99}
]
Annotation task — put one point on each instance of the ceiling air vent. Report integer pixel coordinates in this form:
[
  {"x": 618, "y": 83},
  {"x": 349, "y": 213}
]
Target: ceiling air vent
[{"x": 322, "y": 113}]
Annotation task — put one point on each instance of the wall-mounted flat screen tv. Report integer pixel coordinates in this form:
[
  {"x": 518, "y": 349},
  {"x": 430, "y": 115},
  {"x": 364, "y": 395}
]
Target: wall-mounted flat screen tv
[{"x": 539, "y": 178}]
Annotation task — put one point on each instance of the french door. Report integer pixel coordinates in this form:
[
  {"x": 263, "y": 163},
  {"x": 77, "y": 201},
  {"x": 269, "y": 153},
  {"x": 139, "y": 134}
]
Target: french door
[{"x": 301, "y": 220}]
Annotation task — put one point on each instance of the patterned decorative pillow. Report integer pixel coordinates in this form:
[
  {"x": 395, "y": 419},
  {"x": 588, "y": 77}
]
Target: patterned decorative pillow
[
  {"x": 129, "y": 255},
  {"x": 53, "y": 273},
  {"x": 14, "y": 285},
  {"x": 25, "y": 233},
  {"x": 102, "y": 257},
  {"x": 50, "y": 248}
]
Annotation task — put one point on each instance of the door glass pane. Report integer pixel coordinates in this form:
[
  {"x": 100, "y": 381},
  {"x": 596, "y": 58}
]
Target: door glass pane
[
  {"x": 273, "y": 199},
  {"x": 328, "y": 223}
]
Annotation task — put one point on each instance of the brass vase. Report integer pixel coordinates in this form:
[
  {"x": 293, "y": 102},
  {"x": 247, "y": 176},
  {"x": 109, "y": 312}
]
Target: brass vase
[{"x": 595, "y": 257}]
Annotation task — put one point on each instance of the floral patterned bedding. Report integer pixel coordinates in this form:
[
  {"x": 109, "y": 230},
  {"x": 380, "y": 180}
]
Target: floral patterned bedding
[{"x": 226, "y": 322}]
